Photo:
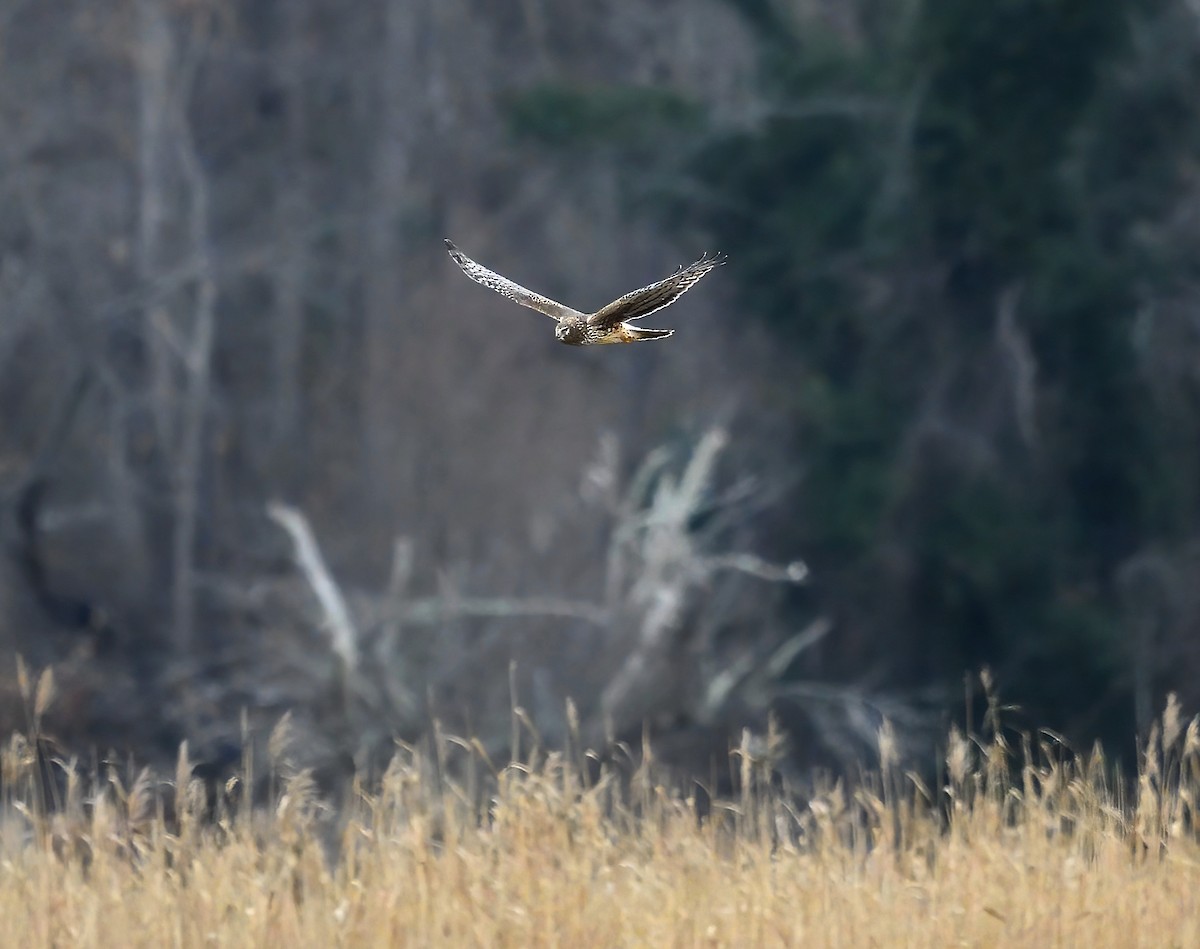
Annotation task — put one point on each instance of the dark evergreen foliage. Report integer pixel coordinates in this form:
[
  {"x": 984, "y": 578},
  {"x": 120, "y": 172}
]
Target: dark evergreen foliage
[{"x": 899, "y": 191}]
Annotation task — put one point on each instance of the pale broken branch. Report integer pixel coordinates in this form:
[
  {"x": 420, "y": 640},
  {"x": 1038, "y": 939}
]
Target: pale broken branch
[{"x": 343, "y": 635}]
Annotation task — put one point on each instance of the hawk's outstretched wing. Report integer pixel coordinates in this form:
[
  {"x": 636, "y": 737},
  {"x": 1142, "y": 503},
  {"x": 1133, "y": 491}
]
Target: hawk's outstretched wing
[
  {"x": 638, "y": 303},
  {"x": 505, "y": 287}
]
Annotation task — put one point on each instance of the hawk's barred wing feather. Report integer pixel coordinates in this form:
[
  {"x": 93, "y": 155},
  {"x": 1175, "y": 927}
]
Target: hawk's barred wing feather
[
  {"x": 505, "y": 287},
  {"x": 638, "y": 303}
]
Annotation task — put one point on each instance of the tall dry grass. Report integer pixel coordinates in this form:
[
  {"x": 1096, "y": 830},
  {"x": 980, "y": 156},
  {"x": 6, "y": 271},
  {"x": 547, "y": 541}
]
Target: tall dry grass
[{"x": 1017, "y": 844}]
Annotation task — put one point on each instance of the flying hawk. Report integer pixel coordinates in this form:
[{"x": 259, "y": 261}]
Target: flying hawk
[{"x": 609, "y": 324}]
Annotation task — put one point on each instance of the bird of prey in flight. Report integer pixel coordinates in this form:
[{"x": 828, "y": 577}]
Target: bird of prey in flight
[{"x": 609, "y": 324}]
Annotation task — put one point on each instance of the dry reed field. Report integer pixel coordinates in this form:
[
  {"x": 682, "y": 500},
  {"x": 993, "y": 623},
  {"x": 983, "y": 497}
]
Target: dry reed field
[{"x": 1017, "y": 843}]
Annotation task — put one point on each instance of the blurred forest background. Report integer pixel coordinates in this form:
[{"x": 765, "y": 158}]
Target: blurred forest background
[{"x": 265, "y": 449}]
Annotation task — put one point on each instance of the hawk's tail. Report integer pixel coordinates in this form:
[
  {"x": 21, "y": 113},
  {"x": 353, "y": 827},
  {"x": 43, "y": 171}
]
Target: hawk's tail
[{"x": 636, "y": 333}]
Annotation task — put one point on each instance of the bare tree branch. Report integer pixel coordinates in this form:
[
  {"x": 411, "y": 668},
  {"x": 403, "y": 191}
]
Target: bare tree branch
[
  {"x": 439, "y": 609},
  {"x": 397, "y": 589},
  {"x": 762, "y": 678},
  {"x": 794, "y": 572}
]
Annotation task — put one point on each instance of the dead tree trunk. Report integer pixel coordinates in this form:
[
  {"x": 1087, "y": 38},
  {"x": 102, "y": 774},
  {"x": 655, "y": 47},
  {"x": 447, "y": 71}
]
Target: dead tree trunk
[
  {"x": 390, "y": 179},
  {"x": 178, "y": 321},
  {"x": 197, "y": 361},
  {"x": 155, "y": 52},
  {"x": 293, "y": 210}
]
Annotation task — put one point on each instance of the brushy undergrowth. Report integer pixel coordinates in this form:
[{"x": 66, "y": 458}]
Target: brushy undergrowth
[{"x": 1017, "y": 843}]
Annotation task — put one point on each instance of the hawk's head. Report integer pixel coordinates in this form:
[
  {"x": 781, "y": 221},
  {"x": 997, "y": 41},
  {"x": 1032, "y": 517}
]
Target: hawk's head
[{"x": 571, "y": 330}]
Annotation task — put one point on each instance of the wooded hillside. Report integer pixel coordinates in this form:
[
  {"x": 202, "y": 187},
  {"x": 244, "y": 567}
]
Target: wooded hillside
[{"x": 264, "y": 447}]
